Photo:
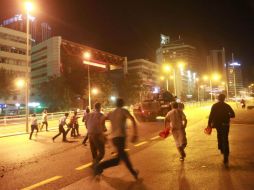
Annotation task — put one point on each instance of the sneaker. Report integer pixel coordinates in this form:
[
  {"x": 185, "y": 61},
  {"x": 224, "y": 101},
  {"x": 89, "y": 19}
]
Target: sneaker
[{"x": 181, "y": 158}]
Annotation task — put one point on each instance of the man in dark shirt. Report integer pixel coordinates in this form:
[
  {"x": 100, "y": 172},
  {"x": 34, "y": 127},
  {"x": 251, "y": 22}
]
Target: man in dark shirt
[{"x": 219, "y": 118}]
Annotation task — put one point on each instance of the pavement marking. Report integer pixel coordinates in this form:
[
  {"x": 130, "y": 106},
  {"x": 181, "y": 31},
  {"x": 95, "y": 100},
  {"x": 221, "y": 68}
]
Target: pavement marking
[
  {"x": 84, "y": 166},
  {"x": 154, "y": 138},
  {"x": 140, "y": 144},
  {"x": 42, "y": 183}
]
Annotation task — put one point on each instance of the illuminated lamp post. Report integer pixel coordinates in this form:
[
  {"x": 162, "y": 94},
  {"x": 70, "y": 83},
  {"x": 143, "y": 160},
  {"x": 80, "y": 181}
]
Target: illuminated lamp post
[
  {"x": 87, "y": 56},
  {"x": 28, "y": 7}
]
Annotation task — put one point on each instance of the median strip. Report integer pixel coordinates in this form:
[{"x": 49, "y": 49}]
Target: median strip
[
  {"x": 84, "y": 166},
  {"x": 140, "y": 144},
  {"x": 42, "y": 183}
]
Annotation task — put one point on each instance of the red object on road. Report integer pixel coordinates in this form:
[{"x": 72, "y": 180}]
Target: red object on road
[
  {"x": 165, "y": 133},
  {"x": 208, "y": 130}
]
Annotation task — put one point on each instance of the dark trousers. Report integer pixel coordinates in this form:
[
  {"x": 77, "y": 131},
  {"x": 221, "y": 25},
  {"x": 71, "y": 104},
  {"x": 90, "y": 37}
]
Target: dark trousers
[
  {"x": 61, "y": 131},
  {"x": 33, "y": 127},
  {"x": 97, "y": 146},
  {"x": 222, "y": 136},
  {"x": 85, "y": 139},
  {"x": 119, "y": 143},
  {"x": 75, "y": 130},
  {"x": 46, "y": 124}
]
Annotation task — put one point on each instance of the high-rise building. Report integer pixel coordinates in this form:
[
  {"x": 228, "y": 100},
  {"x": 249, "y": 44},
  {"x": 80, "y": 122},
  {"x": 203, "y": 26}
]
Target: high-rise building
[
  {"x": 216, "y": 63},
  {"x": 175, "y": 51},
  {"x": 39, "y": 31},
  {"x": 235, "y": 79},
  {"x": 13, "y": 52}
]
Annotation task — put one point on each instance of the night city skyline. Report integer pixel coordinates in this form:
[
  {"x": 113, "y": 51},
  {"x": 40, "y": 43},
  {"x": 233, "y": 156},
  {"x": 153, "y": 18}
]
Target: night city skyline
[{"x": 133, "y": 29}]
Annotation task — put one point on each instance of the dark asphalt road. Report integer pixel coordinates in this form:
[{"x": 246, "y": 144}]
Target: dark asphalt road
[{"x": 42, "y": 164}]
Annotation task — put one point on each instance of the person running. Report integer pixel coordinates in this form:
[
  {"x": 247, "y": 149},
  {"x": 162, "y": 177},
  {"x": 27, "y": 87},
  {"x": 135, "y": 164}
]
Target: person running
[
  {"x": 178, "y": 122},
  {"x": 62, "y": 122},
  {"x": 219, "y": 119},
  {"x": 34, "y": 125},
  {"x": 74, "y": 125},
  {"x": 44, "y": 120},
  {"x": 118, "y": 119},
  {"x": 95, "y": 131},
  {"x": 85, "y": 123}
]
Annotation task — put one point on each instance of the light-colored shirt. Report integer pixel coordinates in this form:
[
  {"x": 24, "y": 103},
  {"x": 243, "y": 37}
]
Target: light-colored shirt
[
  {"x": 93, "y": 122},
  {"x": 176, "y": 118},
  {"x": 34, "y": 121},
  {"x": 118, "y": 119},
  {"x": 44, "y": 117},
  {"x": 62, "y": 120}
]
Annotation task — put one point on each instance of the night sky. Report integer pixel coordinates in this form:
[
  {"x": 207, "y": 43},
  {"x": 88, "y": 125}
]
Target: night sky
[{"x": 132, "y": 28}]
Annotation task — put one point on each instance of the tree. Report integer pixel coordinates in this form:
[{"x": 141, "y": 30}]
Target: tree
[
  {"x": 130, "y": 88},
  {"x": 6, "y": 84},
  {"x": 56, "y": 95}
]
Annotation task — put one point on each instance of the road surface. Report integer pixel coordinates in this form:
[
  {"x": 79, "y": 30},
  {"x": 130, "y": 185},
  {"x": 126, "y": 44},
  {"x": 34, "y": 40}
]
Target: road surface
[{"x": 42, "y": 164}]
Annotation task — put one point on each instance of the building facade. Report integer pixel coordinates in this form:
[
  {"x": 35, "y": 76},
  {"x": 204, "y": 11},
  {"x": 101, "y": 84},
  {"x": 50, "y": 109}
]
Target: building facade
[
  {"x": 216, "y": 62},
  {"x": 57, "y": 56},
  {"x": 13, "y": 58},
  {"x": 173, "y": 53},
  {"x": 235, "y": 79},
  {"x": 39, "y": 31},
  {"x": 148, "y": 72}
]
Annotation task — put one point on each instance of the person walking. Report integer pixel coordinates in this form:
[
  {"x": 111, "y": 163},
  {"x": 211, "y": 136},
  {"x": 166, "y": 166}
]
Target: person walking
[
  {"x": 44, "y": 120},
  {"x": 118, "y": 119},
  {"x": 178, "y": 122},
  {"x": 62, "y": 122},
  {"x": 34, "y": 125},
  {"x": 219, "y": 119},
  {"x": 74, "y": 125},
  {"x": 85, "y": 123},
  {"x": 95, "y": 126}
]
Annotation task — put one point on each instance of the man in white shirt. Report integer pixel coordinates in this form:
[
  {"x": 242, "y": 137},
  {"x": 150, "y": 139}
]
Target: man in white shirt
[
  {"x": 34, "y": 125},
  {"x": 95, "y": 126},
  {"x": 44, "y": 120},
  {"x": 177, "y": 120},
  {"x": 118, "y": 119},
  {"x": 62, "y": 122}
]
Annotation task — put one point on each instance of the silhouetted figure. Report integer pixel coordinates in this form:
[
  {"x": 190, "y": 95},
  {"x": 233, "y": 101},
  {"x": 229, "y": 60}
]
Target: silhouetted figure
[
  {"x": 243, "y": 103},
  {"x": 219, "y": 118},
  {"x": 84, "y": 120}
]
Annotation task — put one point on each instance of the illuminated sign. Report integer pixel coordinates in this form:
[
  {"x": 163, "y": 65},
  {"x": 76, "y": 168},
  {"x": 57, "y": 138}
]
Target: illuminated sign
[
  {"x": 235, "y": 64},
  {"x": 94, "y": 64}
]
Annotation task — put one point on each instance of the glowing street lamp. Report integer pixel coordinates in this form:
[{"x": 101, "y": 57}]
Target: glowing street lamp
[
  {"x": 20, "y": 83},
  {"x": 87, "y": 56},
  {"x": 28, "y": 7},
  {"x": 95, "y": 91}
]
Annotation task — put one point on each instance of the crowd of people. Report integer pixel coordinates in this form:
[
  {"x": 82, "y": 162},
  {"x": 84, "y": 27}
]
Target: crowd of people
[{"x": 175, "y": 121}]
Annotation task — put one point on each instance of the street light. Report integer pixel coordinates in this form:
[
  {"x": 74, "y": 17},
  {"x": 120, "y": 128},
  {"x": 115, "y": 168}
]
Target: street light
[
  {"x": 20, "y": 83},
  {"x": 95, "y": 91},
  {"x": 87, "y": 56},
  {"x": 214, "y": 77},
  {"x": 28, "y": 7}
]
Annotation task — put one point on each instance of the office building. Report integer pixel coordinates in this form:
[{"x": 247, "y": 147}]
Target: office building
[
  {"x": 216, "y": 63},
  {"x": 176, "y": 51},
  {"x": 235, "y": 79},
  {"x": 39, "y": 31},
  {"x": 13, "y": 54}
]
